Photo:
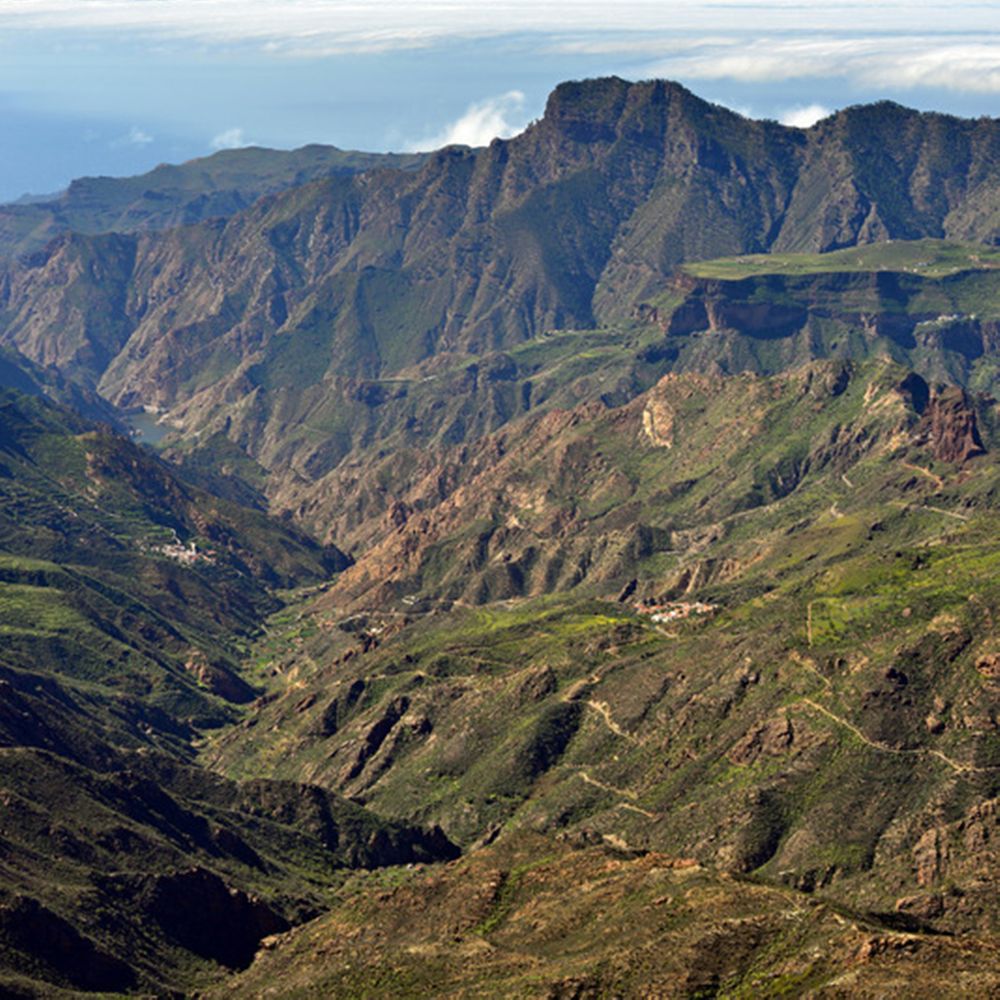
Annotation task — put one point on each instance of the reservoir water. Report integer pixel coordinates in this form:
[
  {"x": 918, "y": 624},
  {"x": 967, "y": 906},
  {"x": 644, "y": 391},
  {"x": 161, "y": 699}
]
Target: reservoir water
[{"x": 146, "y": 429}]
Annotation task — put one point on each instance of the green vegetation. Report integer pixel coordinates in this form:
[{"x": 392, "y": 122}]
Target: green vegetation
[
  {"x": 219, "y": 185},
  {"x": 845, "y": 555},
  {"x": 672, "y": 594},
  {"x": 114, "y": 649},
  {"x": 596, "y": 919},
  {"x": 926, "y": 258}
]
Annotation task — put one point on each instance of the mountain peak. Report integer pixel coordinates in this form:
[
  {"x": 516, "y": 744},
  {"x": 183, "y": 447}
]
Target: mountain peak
[{"x": 601, "y": 109}]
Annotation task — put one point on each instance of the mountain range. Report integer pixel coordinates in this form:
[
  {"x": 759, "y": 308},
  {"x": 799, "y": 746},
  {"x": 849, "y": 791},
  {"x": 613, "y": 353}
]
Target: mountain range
[{"x": 613, "y": 506}]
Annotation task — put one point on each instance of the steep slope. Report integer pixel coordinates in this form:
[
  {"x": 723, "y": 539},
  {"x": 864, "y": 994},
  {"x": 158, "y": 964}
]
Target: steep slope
[
  {"x": 695, "y": 559},
  {"x": 127, "y": 598},
  {"x": 568, "y": 224},
  {"x": 17, "y": 372},
  {"x": 341, "y": 452},
  {"x": 882, "y": 172},
  {"x": 117, "y": 573},
  {"x": 80, "y": 495},
  {"x": 928, "y": 304},
  {"x": 509, "y": 922},
  {"x": 785, "y": 665},
  {"x": 150, "y": 877},
  {"x": 506, "y": 447},
  {"x": 217, "y": 185}
]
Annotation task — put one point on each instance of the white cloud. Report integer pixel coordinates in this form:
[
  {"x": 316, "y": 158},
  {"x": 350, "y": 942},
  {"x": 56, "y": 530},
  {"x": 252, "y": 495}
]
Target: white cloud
[
  {"x": 135, "y": 136},
  {"x": 312, "y": 26},
  {"x": 231, "y": 138},
  {"x": 138, "y": 136},
  {"x": 803, "y": 117},
  {"x": 902, "y": 62},
  {"x": 882, "y": 44},
  {"x": 498, "y": 117}
]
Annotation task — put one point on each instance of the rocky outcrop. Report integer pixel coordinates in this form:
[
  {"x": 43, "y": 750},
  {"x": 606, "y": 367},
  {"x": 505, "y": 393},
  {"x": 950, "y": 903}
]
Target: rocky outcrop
[
  {"x": 780, "y": 306},
  {"x": 480, "y": 250},
  {"x": 205, "y": 916},
  {"x": 772, "y": 739},
  {"x": 949, "y": 426},
  {"x": 219, "y": 679}
]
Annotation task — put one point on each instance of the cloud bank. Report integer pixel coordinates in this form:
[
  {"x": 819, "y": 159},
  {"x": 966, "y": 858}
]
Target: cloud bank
[
  {"x": 495, "y": 118},
  {"x": 805, "y": 116},
  {"x": 881, "y": 44},
  {"x": 905, "y": 62},
  {"x": 373, "y": 25},
  {"x": 231, "y": 138}
]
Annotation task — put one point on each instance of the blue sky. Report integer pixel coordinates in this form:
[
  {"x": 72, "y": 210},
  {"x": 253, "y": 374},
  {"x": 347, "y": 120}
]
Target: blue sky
[{"x": 116, "y": 86}]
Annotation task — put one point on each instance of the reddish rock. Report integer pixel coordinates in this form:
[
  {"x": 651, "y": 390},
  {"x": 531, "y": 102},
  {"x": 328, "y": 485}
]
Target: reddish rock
[
  {"x": 772, "y": 739},
  {"x": 989, "y": 666},
  {"x": 924, "y": 907},
  {"x": 949, "y": 427},
  {"x": 930, "y": 856}
]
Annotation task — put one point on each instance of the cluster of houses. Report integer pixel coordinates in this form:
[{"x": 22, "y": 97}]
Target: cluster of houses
[
  {"x": 673, "y": 611},
  {"x": 187, "y": 555}
]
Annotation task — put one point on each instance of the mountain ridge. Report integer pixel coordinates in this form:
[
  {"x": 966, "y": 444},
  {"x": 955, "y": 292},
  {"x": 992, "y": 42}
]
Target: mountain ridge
[
  {"x": 659, "y": 546},
  {"x": 569, "y": 224},
  {"x": 176, "y": 194}
]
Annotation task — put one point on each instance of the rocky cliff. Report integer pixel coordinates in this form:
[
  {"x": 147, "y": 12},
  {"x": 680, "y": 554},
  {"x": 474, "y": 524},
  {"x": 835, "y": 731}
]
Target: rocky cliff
[{"x": 568, "y": 224}]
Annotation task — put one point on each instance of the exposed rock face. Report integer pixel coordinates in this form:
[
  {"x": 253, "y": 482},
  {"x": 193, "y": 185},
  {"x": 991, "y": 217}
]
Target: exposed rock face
[
  {"x": 209, "y": 918},
  {"x": 989, "y": 666},
  {"x": 949, "y": 426},
  {"x": 924, "y": 907},
  {"x": 571, "y": 222},
  {"x": 797, "y": 307},
  {"x": 773, "y": 739},
  {"x": 930, "y": 856},
  {"x": 521, "y": 487},
  {"x": 218, "y": 679},
  {"x": 658, "y": 422}
]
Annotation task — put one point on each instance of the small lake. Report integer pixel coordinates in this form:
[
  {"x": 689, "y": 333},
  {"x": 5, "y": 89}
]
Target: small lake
[{"x": 146, "y": 429}]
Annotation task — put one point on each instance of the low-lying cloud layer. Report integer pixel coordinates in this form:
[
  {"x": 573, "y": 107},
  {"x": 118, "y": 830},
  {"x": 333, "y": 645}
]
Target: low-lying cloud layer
[
  {"x": 882, "y": 43},
  {"x": 495, "y": 118},
  {"x": 899, "y": 62},
  {"x": 387, "y": 23},
  {"x": 230, "y": 19}
]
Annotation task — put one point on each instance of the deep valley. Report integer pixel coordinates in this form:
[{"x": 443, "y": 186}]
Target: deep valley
[{"x": 564, "y": 569}]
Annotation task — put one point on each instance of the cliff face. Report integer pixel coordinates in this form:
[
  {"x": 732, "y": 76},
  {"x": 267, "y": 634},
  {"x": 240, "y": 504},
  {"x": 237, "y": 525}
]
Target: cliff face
[
  {"x": 798, "y": 678},
  {"x": 554, "y": 501},
  {"x": 384, "y": 313},
  {"x": 566, "y": 225}
]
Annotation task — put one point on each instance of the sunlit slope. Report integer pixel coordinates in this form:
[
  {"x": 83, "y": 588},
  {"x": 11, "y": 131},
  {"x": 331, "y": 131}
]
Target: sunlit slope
[
  {"x": 777, "y": 653},
  {"x": 536, "y": 918},
  {"x": 127, "y": 600}
]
